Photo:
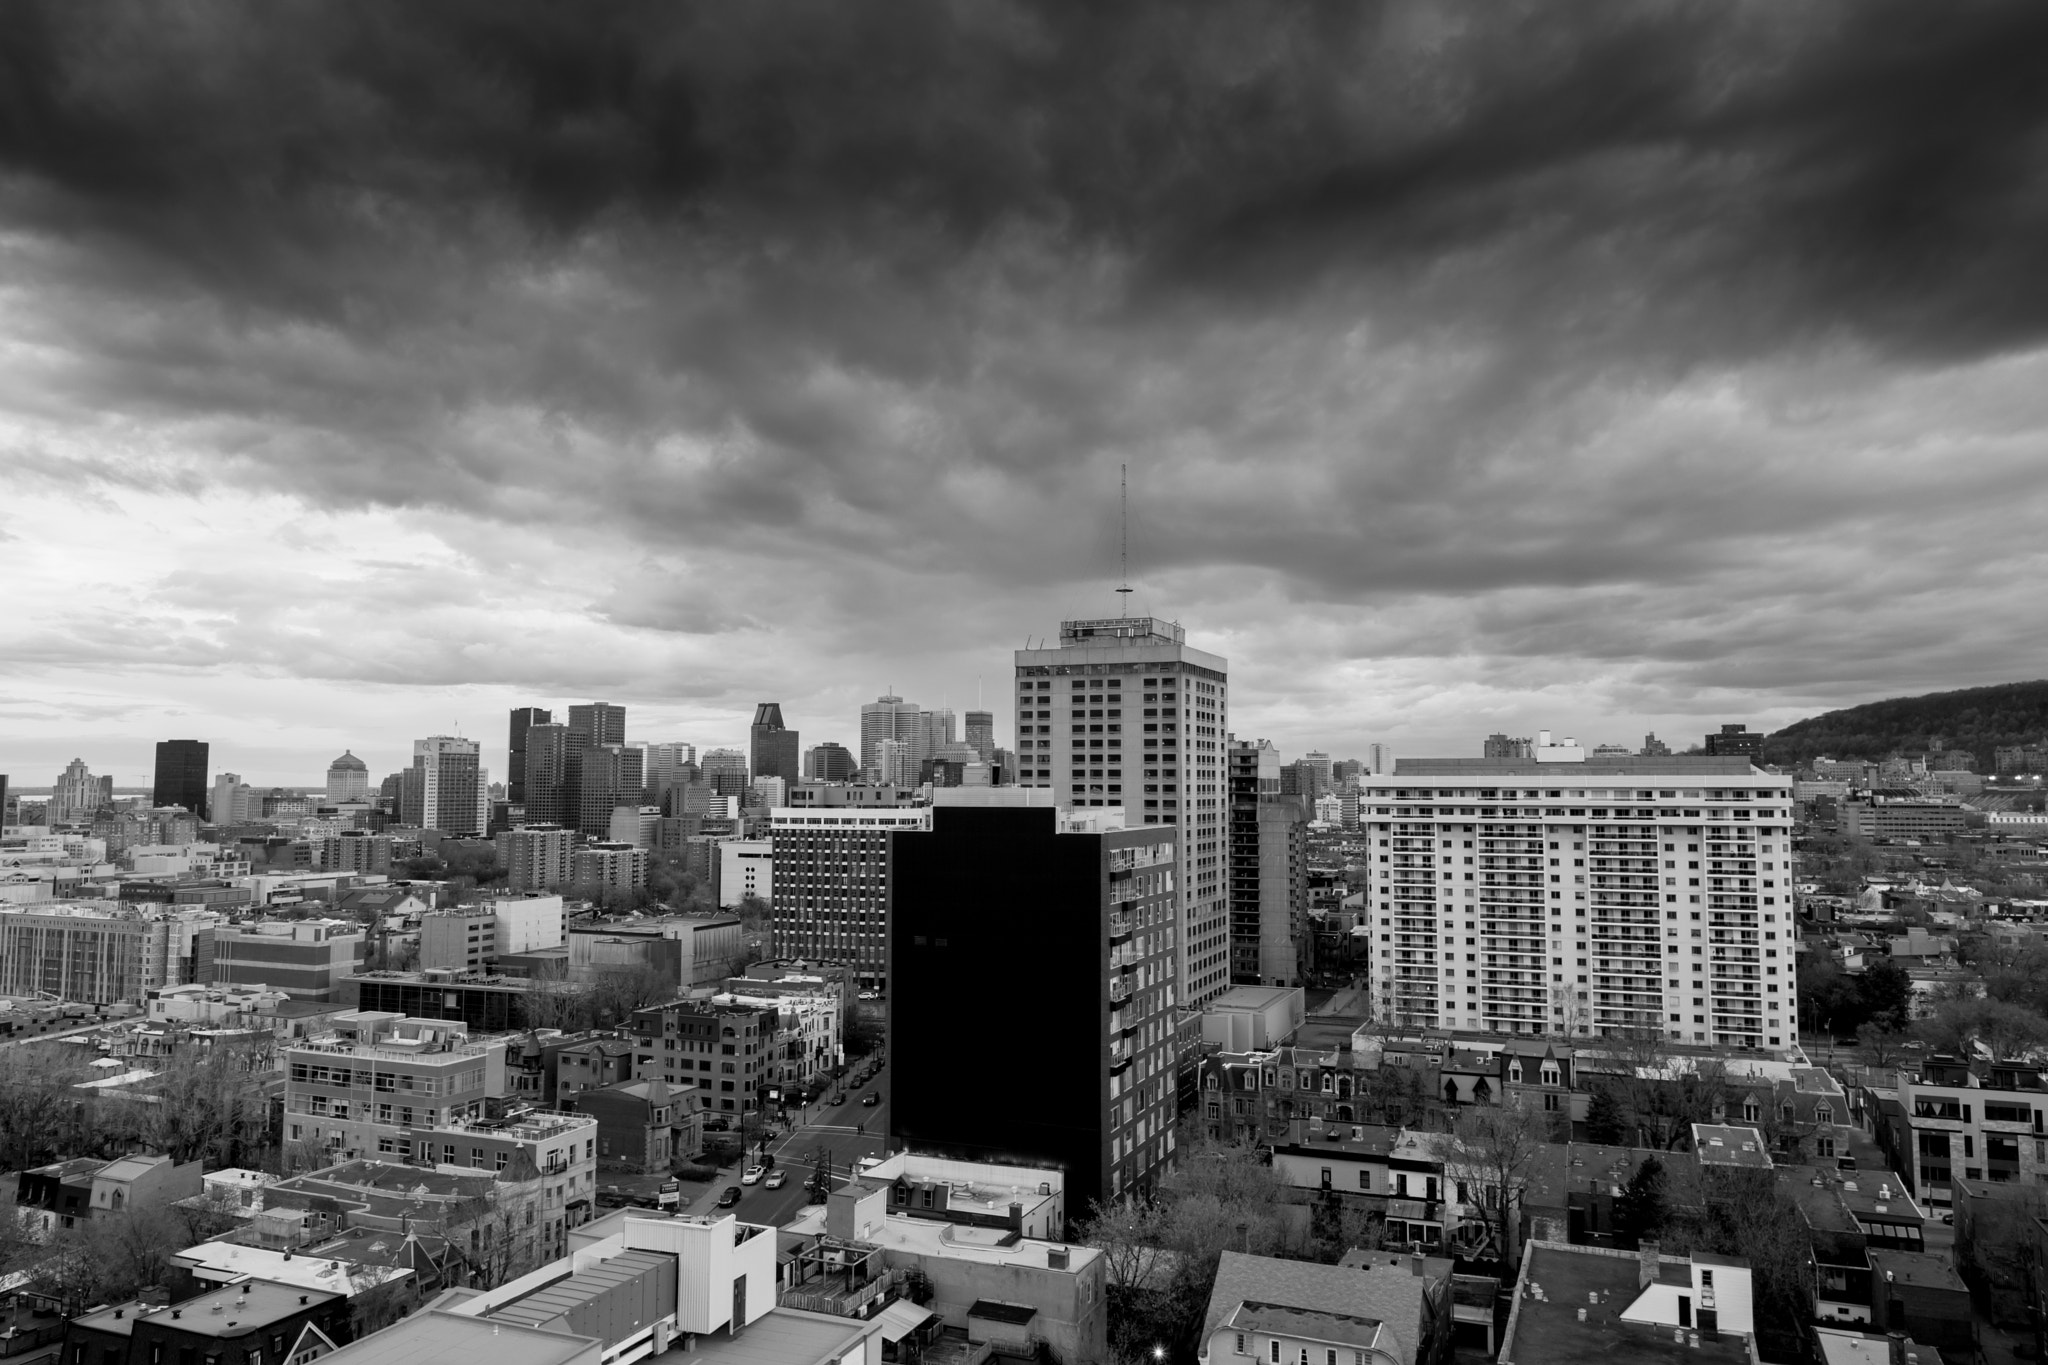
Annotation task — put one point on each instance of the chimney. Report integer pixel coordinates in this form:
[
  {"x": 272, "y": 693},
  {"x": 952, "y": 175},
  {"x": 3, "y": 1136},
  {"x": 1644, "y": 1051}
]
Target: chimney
[
  {"x": 1897, "y": 1342},
  {"x": 1056, "y": 1258},
  {"x": 1016, "y": 1216},
  {"x": 1415, "y": 1264},
  {"x": 1646, "y": 1264}
]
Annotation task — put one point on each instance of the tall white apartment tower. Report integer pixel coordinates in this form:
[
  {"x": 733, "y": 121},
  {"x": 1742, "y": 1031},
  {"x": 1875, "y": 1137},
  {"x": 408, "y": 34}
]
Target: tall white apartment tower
[
  {"x": 1597, "y": 897},
  {"x": 1124, "y": 713},
  {"x": 453, "y": 792}
]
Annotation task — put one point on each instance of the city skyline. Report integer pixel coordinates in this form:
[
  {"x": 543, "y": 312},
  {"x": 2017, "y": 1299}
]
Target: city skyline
[{"x": 1689, "y": 374}]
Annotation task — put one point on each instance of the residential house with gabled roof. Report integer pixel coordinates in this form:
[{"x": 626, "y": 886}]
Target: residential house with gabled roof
[{"x": 1387, "y": 1308}]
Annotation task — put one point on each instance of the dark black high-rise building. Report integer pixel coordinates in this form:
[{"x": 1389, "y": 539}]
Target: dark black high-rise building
[
  {"x": 1052, "y": 924},
  {"x": 774, "y": 745},
  {"x": 544, "y": 782},
  {"x": 523, "y": 719},
  {"x": 181, "y": 775}
]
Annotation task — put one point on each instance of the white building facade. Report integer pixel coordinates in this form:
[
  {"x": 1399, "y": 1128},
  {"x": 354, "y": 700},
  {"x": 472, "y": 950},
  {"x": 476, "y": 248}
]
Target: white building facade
[
  {"x": 1124, "y": 713},
  {"x": 1565, "y": 896}
]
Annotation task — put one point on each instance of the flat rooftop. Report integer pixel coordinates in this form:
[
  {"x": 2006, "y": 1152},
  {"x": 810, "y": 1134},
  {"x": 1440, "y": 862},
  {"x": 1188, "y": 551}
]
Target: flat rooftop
[
  {"x": 244, "y": 1306},
  {"x": 928, "y": 1237},
  {"x": 435, "y": 1338},
  {"x": 553, "y": 1303},
  {"x": 781, "y": 1336},
  {"x": 1726, "y": 1144},
  {"x": 333, "y": 1271},
  {"x": 1547, "y": 1331},
  {"x": 1688, "y": 765}
]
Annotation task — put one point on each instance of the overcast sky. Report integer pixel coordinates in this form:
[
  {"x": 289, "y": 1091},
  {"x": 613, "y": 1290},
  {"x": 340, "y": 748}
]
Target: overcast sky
[{"x": 368, "y": 370}]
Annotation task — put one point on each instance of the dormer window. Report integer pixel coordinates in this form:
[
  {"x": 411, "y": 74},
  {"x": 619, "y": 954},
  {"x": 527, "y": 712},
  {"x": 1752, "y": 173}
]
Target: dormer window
[
  {"x": 1515, "y": 1072},
  {"x": 1551, "y": 1076}
]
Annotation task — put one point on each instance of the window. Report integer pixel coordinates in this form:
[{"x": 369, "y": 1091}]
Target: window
[
  {"x": 1273, "y": 1352},
  {"x": 1240, "y": 1343},
  {"x": 1823, "y": 1114}
]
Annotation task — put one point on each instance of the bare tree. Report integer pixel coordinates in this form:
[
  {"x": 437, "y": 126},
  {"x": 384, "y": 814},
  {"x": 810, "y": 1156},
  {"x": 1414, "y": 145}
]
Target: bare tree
[
  {"x": 41, "y": 1116},
  {"x": 619, "y": 991},
  {"x": 553, "y": 1001},
  {"x": 1488, "y": 1152},
  {"x": 209, "y": 1106}
]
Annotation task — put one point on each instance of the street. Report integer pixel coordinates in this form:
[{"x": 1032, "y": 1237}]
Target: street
[{"x": 835, "y": 1129}]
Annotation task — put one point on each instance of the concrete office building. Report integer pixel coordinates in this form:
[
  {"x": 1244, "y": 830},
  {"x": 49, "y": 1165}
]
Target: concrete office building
[
  {"x": 100, "y": 952},
  {"x": 1928, "y": 821},
  {"x": 981, "y": 735},
  {"x": 1269, "y": 932},
  {"x": 830, "y": 884},
  {"x": 469, "y": 937},
  {"x": 1736, "y": 741},
  {"x": 348, "y": 779},
  {"x": 224, "y": 805},
  {"x": 1003, "y": 905},
  {"x": 1124, "y": 713},
  {"x": 888, "y": 717},
  {"x": 602, "y": 779},
  {"x": 690, "y": 950},
  {"x": 1566, "y": 896},
  {"x": 306, "y": 959},
  {"x": 180, "y": 775},
  {"x": 829, "y": 763},
  {"x": 724, "y": 771},
  {"x": 524, "y": 718},
  {"x": 536, "y": 857},
  {"x": 746, "y": 867},
  {"x": 446, "y": 788},
  {"x": 596, "y": 724},
  {"x": 636, "y": 825},
  {"x": 463, "y": 939}
]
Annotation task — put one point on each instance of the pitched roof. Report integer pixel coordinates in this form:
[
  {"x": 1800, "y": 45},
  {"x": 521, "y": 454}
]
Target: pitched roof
[{"x": 1387, "y": 1293}]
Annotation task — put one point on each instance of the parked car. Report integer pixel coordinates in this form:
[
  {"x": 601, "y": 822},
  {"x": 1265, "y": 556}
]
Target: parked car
[
  {"x": 871, "y": 1099},
  {"x": 869, "y": 995},
  {"x": 839, "y": 1098},
  {"x": 775, "y": 1179},
  {"x": 729, "y": 1196},
  {"x": 753, "y": 1174}
]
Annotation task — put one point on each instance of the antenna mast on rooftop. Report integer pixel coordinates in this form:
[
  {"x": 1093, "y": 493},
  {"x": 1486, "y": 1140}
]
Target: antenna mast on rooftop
[{"x": 1123, "y": 538}]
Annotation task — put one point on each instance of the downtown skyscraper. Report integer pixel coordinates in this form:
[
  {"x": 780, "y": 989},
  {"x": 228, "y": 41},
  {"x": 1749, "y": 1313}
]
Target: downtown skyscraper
[
  {"x": 181, "y": 775},
  {"x": 773, "y": 745},
  {"x": 447, "y": 787},
  {"x": 1124, "y": 713},
  {"x": 524, "y": 718}
]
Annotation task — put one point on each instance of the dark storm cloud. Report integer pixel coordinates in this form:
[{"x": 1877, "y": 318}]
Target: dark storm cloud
[{"x": 1377, "y": 299}]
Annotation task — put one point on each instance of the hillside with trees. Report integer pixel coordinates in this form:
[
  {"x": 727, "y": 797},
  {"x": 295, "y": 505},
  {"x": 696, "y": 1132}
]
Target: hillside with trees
[{"x": 1978, "y": 719}]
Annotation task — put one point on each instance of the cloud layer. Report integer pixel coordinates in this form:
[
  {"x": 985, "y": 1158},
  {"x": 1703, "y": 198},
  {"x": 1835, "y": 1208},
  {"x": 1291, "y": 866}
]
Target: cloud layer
[{"x": 1476, "y": 366}]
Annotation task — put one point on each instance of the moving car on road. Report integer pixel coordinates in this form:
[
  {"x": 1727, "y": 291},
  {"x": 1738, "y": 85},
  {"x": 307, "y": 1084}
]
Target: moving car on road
[
  {"x": 775, "y": 1179},
  {"x": 871, "y": 1099},
  {"x": 753, "y": 1174}
]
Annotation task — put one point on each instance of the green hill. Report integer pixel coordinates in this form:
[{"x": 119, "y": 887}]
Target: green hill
[{"x": 1979, "y": 719}]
